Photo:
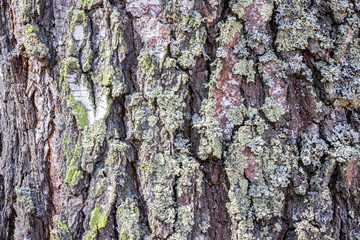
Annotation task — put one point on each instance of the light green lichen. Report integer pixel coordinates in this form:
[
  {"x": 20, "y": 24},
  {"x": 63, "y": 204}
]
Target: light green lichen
[
  {"x": 116, "y": 150},
  {"x": 98, "y": 219},
  {"x": 153, "y": 120},
  {"x": 70, "y": 73},
  {"x": 146, "y": 71},
  {"x": 267, "y": 11},
  {"x": 117, "y": 33},
  {"x": 78, "y": 34},
  {"x": 161, "y": 168},
  {"x": 272, "y": 110},
  {"x": 245, "y": 67},
  {"x": 95, "y": 133},
  {"x": 257, "y": 172},
  {"x": 208, "y": 127},
  {"x": 236, "y": 115},
  {"x": 113, "y": 77},
  {"x": 67, "y": 66},
  {"x": 238, "y": 7},
  {"x": 191, "y": 22},
  {"x": 76, "y": 17},
  {"x": 140, "y": 112},
  {"x": 31, "y": 7},
  {"x": 73, "y": 153},
  {"x": 171, "y": 110},
  {"x": 187, "y": 60},
  {"x": 87, "y": 57},
  {"x": 170, "y": 62},
  {"x": 78, "y": 111},
  {"x": 61, "y": 231},
  {"x": 197, "y": 45},
  {"x": 228, "y": 30},
  {"x": 90, "y": 4},
  {"x": 90, "y": 235}
]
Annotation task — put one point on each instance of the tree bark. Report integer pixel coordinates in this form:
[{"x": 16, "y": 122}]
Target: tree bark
[{"x": 179, "y": 119}]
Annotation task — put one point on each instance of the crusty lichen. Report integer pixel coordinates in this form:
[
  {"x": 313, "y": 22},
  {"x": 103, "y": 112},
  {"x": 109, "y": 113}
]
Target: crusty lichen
[
  {"x": 211, "y": 133},
  {"x": 98, "y": 220},
  {"x": 61, "y": 231},
  {"x": 171, "y": 110},
  {"x": 90, "y": 4},
  {"x": 24, "y": 196},
  {"x": 238, "y": 7},
  {"x": 341, "y": 9},
  {"x": 236, "y": 115},
  {"x": 128, "y": 216},
  {"x": 78, "y": 111},
  {"x": 187, "y": 60},
  {"x": 294, "y": 33},
  {"x": 33, "y": 45},
  {"x": 245, "y": 67},
  {"x": 95, "y": 133},
  {"x": 73, "y": 152},
  {"x": 312, "y": 150},
  {"x": 257, "y": 171},
  {"x": 228, "y": 30},
  {"x": 272, "y": 110}
]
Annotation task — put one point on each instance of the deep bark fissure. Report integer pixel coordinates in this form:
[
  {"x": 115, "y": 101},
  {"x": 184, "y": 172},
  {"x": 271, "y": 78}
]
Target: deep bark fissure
[
  {"x": 138, "y": 191},
  {"x": 116, "y": 233},
  {"x": 216, "y": 196}
]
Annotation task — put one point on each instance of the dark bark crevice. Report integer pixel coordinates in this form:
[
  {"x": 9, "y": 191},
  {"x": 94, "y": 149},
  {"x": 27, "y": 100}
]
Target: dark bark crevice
[
  {"x": 144, "y": 212},
  {"x": 216, "y": 185}
]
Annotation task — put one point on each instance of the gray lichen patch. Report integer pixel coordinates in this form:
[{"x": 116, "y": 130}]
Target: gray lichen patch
[
  {"x": 128, "y": 216},
  {"x": 24, "y": 195},
  {"x": 341, "y": 9},
  {"x": 33, "y": 45},
  {"x": 211, "y": 133},
  {"x": 258, "y": 171},
  {"x": 295, "y": 32},
  {"x": 312, "y": 150}
]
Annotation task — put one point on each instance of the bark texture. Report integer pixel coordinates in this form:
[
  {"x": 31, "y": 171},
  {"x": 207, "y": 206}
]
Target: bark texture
[{"x": 179, "y": 119}]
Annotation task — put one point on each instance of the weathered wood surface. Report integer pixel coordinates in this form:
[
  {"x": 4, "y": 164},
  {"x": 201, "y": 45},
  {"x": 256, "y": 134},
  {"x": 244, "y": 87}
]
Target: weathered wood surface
[{"x": 179, "y": 119}]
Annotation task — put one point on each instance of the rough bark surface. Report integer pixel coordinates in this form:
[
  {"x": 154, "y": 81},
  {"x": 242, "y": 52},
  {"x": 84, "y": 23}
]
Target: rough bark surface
[{"x": 179, "y": 119}]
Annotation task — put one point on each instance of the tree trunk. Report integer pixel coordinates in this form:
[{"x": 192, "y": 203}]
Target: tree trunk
[{"x": 179, "y": 119}]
